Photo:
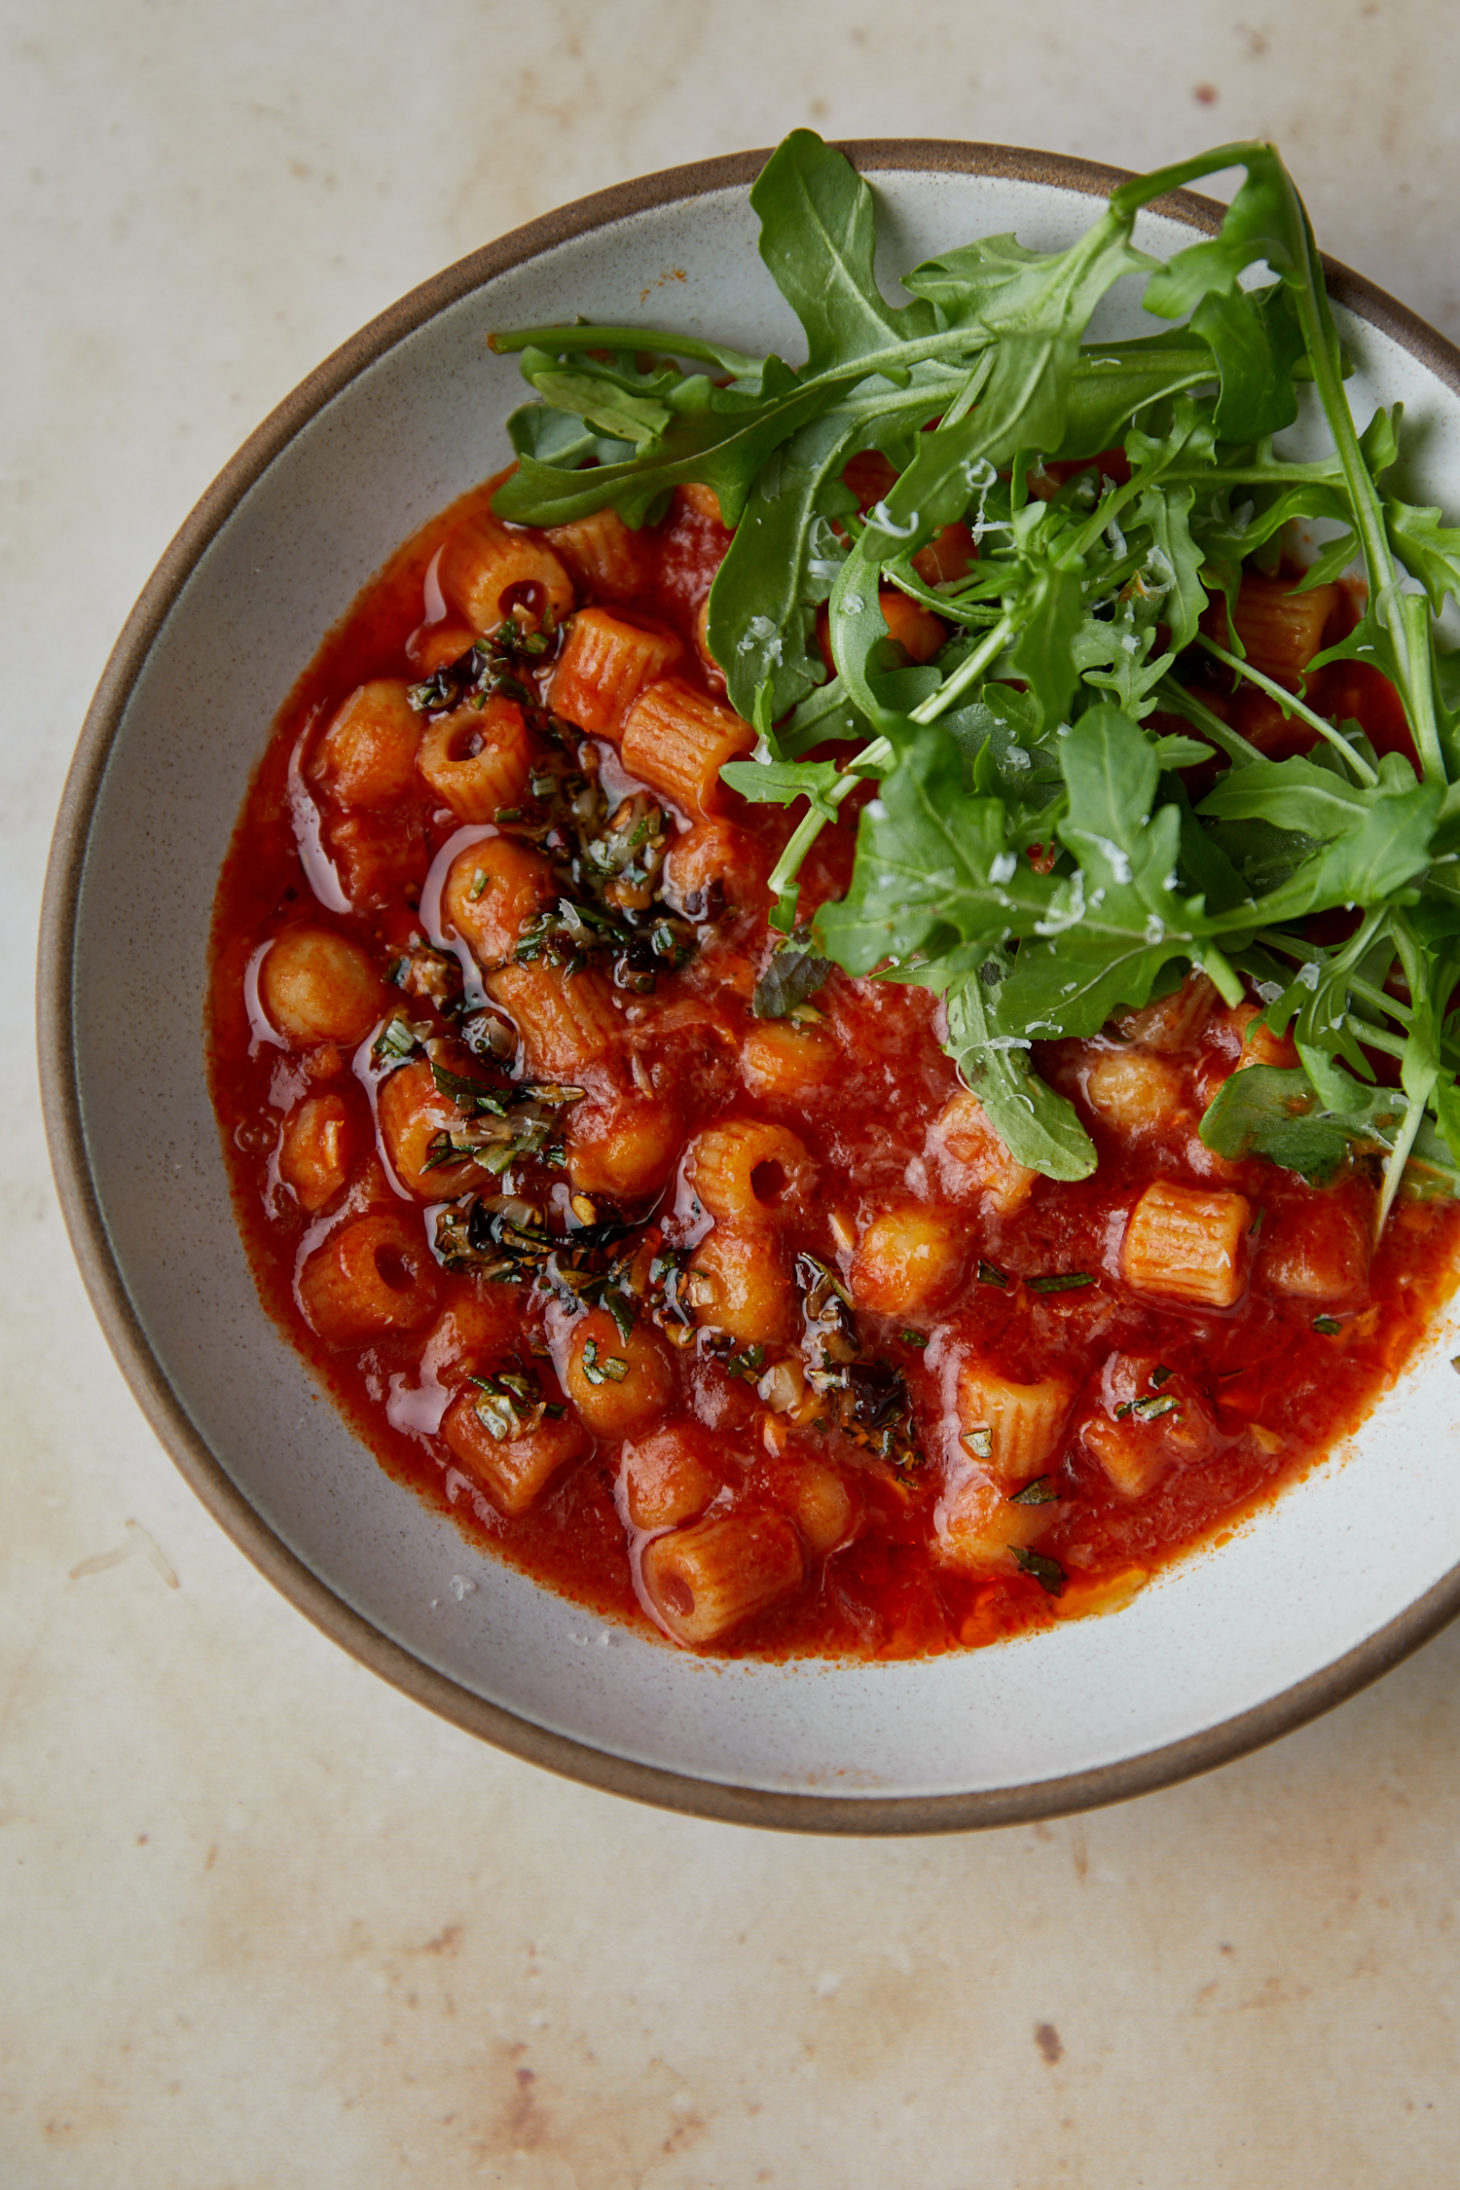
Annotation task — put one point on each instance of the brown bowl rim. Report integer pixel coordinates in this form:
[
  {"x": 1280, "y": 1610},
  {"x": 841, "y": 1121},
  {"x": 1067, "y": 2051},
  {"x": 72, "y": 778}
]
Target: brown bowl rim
[{"x": 103, "y": 1277}]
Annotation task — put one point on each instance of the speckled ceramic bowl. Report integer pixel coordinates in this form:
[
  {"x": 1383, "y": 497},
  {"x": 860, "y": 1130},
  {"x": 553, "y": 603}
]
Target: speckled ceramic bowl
[{"x": 1352, "y": 1569}]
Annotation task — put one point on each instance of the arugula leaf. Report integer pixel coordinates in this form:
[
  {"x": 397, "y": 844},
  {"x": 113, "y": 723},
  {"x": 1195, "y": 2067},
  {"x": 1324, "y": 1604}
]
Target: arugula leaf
[
  {"x": 1268, "y": 1111},
  {"x": 818, "y": 236},
  {"x": 932, "y": 865},
  {"x": 1031, "y": 851},
  {"x": 790, "y": 980},
  {"x": 1038, "y": 1127}
]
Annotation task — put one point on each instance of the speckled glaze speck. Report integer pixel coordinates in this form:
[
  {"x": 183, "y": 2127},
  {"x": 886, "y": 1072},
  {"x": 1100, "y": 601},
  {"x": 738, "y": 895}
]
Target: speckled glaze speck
[{"x": 1228, "y": 1650}]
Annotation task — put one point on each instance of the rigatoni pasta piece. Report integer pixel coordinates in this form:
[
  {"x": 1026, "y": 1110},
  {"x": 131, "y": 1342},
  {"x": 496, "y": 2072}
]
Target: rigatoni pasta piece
[
  {"x": 738, "y": 1282},
  {"x": 749, "y": 1172},
  {"x": 704, "y": 1581},
  {"x": 477, "y": 759},
  {"x": 564, "y": 1020},
  {"x": 676, "y": 740},
  {"x": 1010, "y": 1429},
  {"x": 605, "y": 664},
  {"x": 314, "y": 1151},
  {"x": 1188, "y": 1243},
  {"x": 1281, "y": 629},
  {"x": 365, "y": 755},
  {"x": 513, "y": 1470},
  {"x": 492, "y": 890},
  {"x": 604, "y": 552},
  {"x": 908, "y": 1257},
  {"x": 488, "y": 572},
  {"x": 316, "y": 986},
  {"x": 375, "y": 1274},
  {"x": 617, "y": 1383}
]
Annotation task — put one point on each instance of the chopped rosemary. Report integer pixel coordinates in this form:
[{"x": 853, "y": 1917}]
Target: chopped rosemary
[
  {"x": 1049, "y": 1574},
  {"x": 602, "y": 1368},
  {"x": 1041, "y": 1492}
]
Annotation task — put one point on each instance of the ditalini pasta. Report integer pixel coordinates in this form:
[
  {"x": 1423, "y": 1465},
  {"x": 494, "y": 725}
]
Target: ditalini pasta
[{"x": 685, "y": 1266}]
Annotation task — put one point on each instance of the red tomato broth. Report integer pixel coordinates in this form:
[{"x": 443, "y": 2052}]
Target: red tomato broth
[{"x": 1270, "y": 1392}]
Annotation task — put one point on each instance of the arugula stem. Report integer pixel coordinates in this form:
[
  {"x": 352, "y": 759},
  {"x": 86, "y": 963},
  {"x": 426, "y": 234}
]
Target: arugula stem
[
  {"x": 1292, "y": 705},
  {"x": 1223, "y": 975},
  {"x": 969, "y": 670},
  {"x": 1369, "y": 1036},
  {"x": 1410, "y": 633},
  {"x": 872, "y": 757},
  {"x": 1181, "y": 702},
  {"x": 1399, "y": 1154}
]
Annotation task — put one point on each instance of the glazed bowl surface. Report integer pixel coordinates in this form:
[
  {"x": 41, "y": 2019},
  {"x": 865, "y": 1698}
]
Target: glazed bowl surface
[{"x": 1317, "y": 1594}]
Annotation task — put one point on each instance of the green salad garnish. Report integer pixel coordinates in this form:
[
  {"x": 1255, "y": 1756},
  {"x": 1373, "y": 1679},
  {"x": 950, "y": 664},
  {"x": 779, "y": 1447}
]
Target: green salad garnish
[{"x": 1038, "y": 849}]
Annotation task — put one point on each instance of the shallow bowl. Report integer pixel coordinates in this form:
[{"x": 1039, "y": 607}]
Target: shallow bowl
[{"x": 1298, "y": 1608}]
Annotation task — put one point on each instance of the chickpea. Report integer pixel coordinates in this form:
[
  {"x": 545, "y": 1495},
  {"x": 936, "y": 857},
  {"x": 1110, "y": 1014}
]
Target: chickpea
[
  {"x": 623, "y": 1146},
  {"x": 316, "y": 987},
  {"x": 492, "y": 889},
  {"x": 616, "y": 1384},
  {"x": 741, "y": 1270},
  {"x": 907, "y": 1258}
]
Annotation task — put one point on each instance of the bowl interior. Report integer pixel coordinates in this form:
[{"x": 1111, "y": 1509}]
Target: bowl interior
[{"x": 1299, "y": 1606}]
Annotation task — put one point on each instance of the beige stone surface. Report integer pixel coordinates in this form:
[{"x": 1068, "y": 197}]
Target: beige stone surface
[{"x": 265, "y": 1924}]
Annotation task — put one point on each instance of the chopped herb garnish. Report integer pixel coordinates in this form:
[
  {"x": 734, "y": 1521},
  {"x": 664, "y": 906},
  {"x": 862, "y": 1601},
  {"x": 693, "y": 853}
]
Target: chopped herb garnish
[
  {"x": 989, "y": 1274},
  {"x": 510, "y": 1405},
  {"x": 1161, "y": 1375},
  {"x": 1043, "y": 1491},
  {"x": 1149, "y": 1410},
  {"x": 980, "y": 1443},
  {"x": 1049, "y": 1574},
  {"x": 791, "y": 978},
  {"x": 471, "y": 1095},
  {"x": 1060, "y": 1281},
  {"x": 1329, "y": 1326},
  {"x": 915, "y": 1338},
  {"x": 602, "y": 1368},
  {"x": 396, "y": 1041}
]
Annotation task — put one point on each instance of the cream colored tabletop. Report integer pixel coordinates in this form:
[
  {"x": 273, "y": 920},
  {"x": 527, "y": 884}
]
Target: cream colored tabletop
[{"x": 265, "y": 1924}]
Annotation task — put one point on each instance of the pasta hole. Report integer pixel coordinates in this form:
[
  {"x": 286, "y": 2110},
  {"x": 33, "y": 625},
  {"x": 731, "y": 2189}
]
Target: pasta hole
[
  {"x": 526, "y": 599},
  {"x": 677, "y": 1597},
  {"x": 464, "y": 743},
  {"x": 393, "y": 1270},
  {"x": 769, "y": 1181}
]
